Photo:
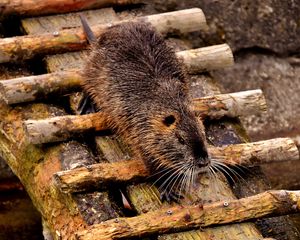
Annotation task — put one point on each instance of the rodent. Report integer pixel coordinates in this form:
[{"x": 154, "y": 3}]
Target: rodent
[{"x": 135, "y": 77}]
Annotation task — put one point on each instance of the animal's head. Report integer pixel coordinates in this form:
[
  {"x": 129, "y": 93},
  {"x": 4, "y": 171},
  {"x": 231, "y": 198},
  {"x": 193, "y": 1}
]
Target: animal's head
[{"x": 176, "y": 139}]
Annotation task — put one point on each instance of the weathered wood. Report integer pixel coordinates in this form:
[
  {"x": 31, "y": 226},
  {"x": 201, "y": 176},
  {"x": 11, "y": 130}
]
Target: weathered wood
[
  {"x": 26, "y": 89},
  {"x": 25, "y": 47},
  {"x": 56, "y": 23},
  {"x": 231, "y": 105},
  {"x": 178, "y": 218},
  {"x": 247, "y": 154},
  {"x": 64, "y": 127},
  {"x": 34, "y": 166},
  {"x": 256, "y": 153},
  {"x": 99, "y": 175},
  {"x": 42, "y": 7},
  {"x": 59, "y": 128},
  {"x": 38, "y": 87},
  {"x": 207, "y": 58}
]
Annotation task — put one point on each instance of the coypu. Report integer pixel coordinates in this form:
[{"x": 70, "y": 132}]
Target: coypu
[{"x": 135, "y": 77}]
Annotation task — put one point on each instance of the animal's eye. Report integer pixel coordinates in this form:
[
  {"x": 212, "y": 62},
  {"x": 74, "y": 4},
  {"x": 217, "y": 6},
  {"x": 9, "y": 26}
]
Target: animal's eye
[{"x": 169, "y": 120}]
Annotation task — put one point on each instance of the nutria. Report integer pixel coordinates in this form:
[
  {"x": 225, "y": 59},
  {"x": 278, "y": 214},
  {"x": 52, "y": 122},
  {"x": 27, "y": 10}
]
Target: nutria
[{"x": 135, "y": 77}]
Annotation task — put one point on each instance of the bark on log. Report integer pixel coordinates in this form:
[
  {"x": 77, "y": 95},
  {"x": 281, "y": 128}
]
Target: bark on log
[
  {"x": 179, "y": 218},
  {"x": 256, "y": 153},
  {"x": 61, "y": 128},
  {"x": 231, "y": 105},
  {"x": 25, "y": 47},
  {"x": 42, "y": 7},
  {"x": 207, "y": 58},
  {"x": 247, "y": 154},
  {"x": 26, "y": 89},
  {"x": 32, "y": 88}
]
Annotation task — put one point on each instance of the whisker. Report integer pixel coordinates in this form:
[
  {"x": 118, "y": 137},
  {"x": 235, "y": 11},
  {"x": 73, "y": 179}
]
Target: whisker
[
  {"x": 231, "y": 170},
  {"x": 174, "y": 173}
]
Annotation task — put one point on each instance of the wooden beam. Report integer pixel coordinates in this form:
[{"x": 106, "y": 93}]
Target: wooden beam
[
  {"x": 269, "y": 203},
  {"x": 63, "y": 127},
  {"x": 44, "y": 7},
  {"x": 25, "y": 47},
  {"x": 32, "y": 88},
  {"x": 247, "y": 154}
]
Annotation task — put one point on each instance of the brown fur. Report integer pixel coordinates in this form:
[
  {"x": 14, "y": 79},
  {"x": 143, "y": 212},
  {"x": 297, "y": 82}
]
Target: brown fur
[{"x": 133, "y": 76}]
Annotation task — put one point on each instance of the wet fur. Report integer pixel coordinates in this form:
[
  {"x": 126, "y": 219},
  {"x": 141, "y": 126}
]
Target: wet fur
[{"x": 135, "y": 78}]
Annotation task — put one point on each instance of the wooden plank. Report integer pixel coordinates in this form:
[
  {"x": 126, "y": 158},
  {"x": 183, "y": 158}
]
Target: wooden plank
[{"x": 56, "y": 23}]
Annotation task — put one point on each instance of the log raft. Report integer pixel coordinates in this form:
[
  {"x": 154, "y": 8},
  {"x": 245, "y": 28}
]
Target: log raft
[
  {"x": 63, "y": 127},
  {"x": 246, "y": 154},
  {"x": 26, "y": 89},
  {"x": 25, "y": 47}
]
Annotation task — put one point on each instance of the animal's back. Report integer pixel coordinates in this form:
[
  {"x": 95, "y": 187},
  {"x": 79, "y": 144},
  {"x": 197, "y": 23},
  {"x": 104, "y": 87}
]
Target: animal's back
[{"x": 131, "y": 64}]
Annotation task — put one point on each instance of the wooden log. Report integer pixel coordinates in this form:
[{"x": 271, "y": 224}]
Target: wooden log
[
  {"x": 25, "y": 47},
  {"x": 42, "y": 7},
  {"x": 59, "y": 128},
  {"x": 247, "y": 154},
  {"x": 231, "y": 105},
  {"x": 269, "y": 203},
  {"x": 97, "y": 176},
  {"x": 207, "y": 58},
  {"x": 26, "y": 89},
  {"x": 37, "y": 87},
  {"x": 256, "y": 153},
  {"x": 64, "y": 127}
]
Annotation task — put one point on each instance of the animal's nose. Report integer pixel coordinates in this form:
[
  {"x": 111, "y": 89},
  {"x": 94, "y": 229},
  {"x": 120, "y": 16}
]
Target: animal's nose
[{"x": 203, "y": 162}]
